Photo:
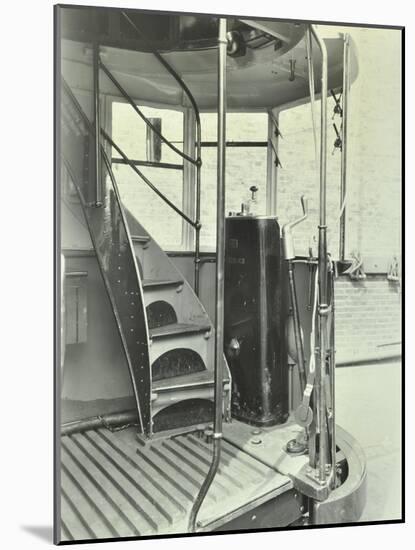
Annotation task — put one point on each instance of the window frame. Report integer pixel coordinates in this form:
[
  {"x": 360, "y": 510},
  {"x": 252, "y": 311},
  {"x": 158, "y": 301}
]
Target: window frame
[
  {"x": 271, "y": 169},
  {"x": 187, "y": 243},
  {"x": 185, "y": 207}
]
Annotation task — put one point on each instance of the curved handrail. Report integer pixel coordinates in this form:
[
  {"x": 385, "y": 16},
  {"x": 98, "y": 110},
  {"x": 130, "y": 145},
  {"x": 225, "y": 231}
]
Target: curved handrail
[
  {"x": 166, "y": 65},
  {"x": 126, "y": 96},
  {"x": 198, "y": 163},
  {"x": 145, "y": 179},
  {"x": 91, "y": 130}
]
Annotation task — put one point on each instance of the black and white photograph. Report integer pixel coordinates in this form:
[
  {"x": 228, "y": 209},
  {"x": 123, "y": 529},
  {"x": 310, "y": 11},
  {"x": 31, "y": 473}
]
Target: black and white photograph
[
  {"x": 228, "y": 201},
  {"x": 207, "y": 308}
]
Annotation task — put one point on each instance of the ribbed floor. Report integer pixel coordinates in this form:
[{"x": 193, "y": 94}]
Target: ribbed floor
[{"x": 114, "y": 487}]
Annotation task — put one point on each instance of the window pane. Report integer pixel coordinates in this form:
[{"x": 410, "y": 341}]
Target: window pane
[
  {"x": 129, "y": 132},
  {"x": 245, "y": 166},
  {"x": 164, "y": 225}
]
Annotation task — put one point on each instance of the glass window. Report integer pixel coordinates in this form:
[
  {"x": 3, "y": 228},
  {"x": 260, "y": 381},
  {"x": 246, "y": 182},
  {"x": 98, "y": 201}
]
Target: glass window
[
  {"x": 129, "y": 131},
  {"x": 245, "y": 166}
]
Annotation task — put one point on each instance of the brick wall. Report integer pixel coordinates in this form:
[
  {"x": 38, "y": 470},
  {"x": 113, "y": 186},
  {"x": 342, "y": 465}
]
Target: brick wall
[{"x": 367, "y": 318}]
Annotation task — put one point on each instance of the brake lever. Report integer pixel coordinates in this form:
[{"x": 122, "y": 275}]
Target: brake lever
[{"x": 303, "y": 414}]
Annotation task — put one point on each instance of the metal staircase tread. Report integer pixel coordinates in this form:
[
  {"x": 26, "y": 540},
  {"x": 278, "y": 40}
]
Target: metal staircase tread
[
  {"x": 177, "y": 329},
  {"x": 152, "y": 283},
  {"x": 192, "y": 380},
  {"x": 140, "y": 238}
]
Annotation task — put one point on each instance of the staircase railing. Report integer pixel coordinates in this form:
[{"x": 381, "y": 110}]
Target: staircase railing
[
  {"x": 197, "y": 162},
  {"x": 145, "y": 179}
]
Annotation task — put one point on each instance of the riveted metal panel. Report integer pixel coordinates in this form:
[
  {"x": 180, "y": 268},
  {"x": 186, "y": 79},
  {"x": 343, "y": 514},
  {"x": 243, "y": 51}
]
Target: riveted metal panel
[{"x": 113, "y": 247}]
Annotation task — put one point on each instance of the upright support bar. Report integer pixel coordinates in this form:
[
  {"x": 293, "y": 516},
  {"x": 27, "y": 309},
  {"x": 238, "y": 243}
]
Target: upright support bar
[
  {"x": 323, "y": 308},
  {"x": 97, "y": 125},
  {"x": 220, "y": 269},
  {"x": 343, "y": 169},
  {"x": 220, "y": 229},
  {"x": 333, "y": 384},
  {"x": 198, "y": 225},
  {"x": 272, "y": 168}
]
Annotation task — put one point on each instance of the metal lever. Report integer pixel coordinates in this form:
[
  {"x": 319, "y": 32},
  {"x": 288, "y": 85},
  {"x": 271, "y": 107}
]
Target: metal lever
[
  {"x": 337, "y": 110},
  {"x": 338, "y": 141},
  {"x": 287, "y": 237},
  {"x": 304, "y": 415}
]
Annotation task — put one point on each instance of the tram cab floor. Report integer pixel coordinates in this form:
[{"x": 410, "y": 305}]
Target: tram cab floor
[{"x": 113, "y": 485}]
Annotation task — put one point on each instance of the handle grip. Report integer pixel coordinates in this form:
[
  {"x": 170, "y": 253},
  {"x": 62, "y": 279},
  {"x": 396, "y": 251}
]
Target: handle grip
[
  {"x": 287, "y": 238},
  {"x": 304, "y": 204}
]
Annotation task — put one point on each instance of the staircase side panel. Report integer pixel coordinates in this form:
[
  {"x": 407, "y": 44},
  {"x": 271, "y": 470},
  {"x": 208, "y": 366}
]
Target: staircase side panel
[{"x": 113, "y": 247}]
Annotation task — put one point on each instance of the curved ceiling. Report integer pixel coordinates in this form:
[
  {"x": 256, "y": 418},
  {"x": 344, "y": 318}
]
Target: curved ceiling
[{"x": 262, "y": 78}]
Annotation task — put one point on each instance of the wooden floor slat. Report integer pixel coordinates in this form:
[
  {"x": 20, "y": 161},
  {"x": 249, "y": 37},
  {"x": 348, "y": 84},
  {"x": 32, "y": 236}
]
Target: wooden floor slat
[
  {"x": 115, "y": 486},
  {"x": 76, "y": 483},
  {"x": 113, "y": 496},
  {"x": 116, "y": 479},
  {"x": 83, "y": 474}
]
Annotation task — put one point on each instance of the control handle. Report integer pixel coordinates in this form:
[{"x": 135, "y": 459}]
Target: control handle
[{"x": 287, "y": 236}]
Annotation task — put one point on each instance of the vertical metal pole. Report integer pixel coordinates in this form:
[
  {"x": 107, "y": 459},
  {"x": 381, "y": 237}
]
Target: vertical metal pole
[
  {"x": 97, "y": 125},
  {"x": 322, "y": 273},
  {"x": 220, "y": 231},
  {"x": 220, "y": 270},
  {"x": 198, "y": 225},
  {"x": 297, "y": 328},
  {"x": 333, "y": 383},
  {"x": 343, "y": 169},
  {"x": 189, "y": 178},
  {"x": 272, "y": 168}
]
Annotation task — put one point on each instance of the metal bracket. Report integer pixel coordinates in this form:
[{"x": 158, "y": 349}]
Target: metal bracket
[
  {"x": 356, "y": 271},
  {"x": 393, "y": 273},
  {"x": 309, "y": 485},
  {"x": 337, "y": 110}
]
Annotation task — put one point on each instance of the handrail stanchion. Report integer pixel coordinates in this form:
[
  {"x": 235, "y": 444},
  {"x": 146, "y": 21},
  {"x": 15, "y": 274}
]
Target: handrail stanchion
[
  {"x": 97, "y": 125},
  {"x": 323, "y": 306},
  {"x": 198, "y": 225},
  {"x": 220, "y": 269},
  {"x": 343, "y": 169}
]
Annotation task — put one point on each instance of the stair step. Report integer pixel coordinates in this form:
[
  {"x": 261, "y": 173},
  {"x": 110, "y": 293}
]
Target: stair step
[
  {"x": 193, "y": 380},
  {"x": 154, "y": 283},
  {"x": 143, "y": 239},
  {"x": 178, "y": 329}
]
